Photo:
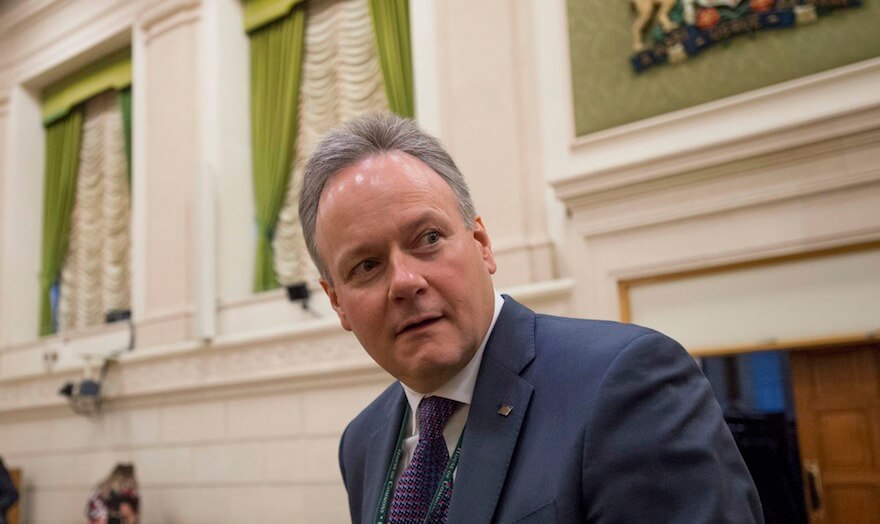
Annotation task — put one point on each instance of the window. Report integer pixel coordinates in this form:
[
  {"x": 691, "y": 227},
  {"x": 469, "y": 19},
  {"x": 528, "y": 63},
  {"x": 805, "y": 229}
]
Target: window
[
  {"x": 342, "y": 58},
  {"x": 85, "y": 258}
]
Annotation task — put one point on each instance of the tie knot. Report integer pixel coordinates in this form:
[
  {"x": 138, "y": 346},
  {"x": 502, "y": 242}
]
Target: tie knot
[{"x": 434, "y": 413}]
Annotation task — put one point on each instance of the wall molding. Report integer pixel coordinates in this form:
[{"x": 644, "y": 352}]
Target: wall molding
[
  {"x": 201, "y": 367},
  {"x": 809, "y": 109},
  {"x": 748, "y": 101},
  {"x": 161, "y": 18},
  {"x": 57, "y": 54},
  {"x": 272, "y": 296},
  {"x": 88, "y": 335},
  {"x": 754, "y": 198},
  {"x": 318, "y": 352},
  {"x": 735, "y": 257},
  {"x": 85, "y": 335},
  {"x": 764, "y": 260},
  {"x": 764, "y": 143},
  {"x": 26, "y": 13},
  {"x": 507, "y": 245},
  {"x": 559, "y": 289},
  {"x": 850, "y": 174},
  {"x": 165, "y": 314}
]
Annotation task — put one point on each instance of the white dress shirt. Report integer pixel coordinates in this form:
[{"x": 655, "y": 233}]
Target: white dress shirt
[{"x": 460, "y": 388}]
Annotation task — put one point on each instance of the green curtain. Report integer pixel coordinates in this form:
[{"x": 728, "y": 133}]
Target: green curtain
[
  {"x": 276, "y": 66},
  {"x": 391, "y": 25},
  {"x": 124, "y": 96},
  {"x": 62, "y": 160}
]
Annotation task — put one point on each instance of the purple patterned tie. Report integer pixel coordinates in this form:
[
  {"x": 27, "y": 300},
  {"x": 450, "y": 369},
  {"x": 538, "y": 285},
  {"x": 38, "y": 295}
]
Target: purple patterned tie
[{"x": 419, "y": 480}]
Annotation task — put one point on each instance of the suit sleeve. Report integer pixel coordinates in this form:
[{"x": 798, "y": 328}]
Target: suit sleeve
[
  {"x": 341, "y": 457},
  {"x": 353, "y": 500},
  {"x": 8, "y": 493},
  {"x": 656, "y": 446}
]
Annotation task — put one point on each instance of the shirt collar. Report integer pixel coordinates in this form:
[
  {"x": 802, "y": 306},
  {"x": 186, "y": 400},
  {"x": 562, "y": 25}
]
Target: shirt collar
[{"x": 460, "y": 387}]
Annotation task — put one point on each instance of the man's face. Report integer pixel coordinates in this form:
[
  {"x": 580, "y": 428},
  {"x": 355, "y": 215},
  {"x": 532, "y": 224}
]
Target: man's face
[{"x": 408, "y": 277}]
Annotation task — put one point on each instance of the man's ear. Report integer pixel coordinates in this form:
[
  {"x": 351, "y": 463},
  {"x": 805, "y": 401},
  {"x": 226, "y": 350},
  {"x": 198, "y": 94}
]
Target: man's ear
[
  {"x": 334, "y": 301},
  {"x": 485, "y": 244}
]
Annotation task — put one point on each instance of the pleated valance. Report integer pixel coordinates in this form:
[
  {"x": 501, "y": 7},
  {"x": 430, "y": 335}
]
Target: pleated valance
[
  {"x": 258, "y": 13},
  {"x": 111, "y": 72}
]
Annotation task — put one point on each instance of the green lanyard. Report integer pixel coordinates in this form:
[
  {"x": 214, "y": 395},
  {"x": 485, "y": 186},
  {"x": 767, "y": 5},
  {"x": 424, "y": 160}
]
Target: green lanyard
[{"x": 445, "y": 481}]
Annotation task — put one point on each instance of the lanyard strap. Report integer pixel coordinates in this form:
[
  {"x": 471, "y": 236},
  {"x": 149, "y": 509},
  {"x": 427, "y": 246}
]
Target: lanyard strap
[
  {"x": 445, "y": 481},
  {"x": 385, "y": 500}
]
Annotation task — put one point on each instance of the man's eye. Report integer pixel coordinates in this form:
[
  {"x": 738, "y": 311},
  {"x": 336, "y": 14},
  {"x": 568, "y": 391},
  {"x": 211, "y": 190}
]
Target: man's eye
[
  {"x": 366, "y": 266},
  {"x": 431, "y": 237}
]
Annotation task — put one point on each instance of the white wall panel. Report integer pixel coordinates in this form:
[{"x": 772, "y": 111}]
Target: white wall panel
[{"x": 806, "y": 299}]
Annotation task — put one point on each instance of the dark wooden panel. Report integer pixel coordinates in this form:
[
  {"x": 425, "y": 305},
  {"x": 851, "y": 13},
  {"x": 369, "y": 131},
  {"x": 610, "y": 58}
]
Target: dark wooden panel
[
  {"x": 853, "y": 505},
  {"x": 844, "y": 439},
  {"x": 837, "y": 400},
  {"x": 13, "y": 516}
]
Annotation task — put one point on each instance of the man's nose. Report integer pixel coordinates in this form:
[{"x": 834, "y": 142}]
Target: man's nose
[{"x": 406, "y": 277}]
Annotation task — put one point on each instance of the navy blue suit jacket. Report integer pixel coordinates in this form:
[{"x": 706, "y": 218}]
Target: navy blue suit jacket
[{"x": 610, "y": 423}]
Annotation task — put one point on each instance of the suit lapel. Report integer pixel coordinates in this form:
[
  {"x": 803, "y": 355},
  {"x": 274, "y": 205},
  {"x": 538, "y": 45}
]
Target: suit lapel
[
  {"x": 379, "y": 454},
  {"x": 490, "y": 437}
]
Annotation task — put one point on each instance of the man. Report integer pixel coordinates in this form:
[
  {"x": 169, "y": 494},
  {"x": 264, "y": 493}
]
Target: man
[
  {"x": 8, "y": 493},
  {"x": 499, "y": 414}
]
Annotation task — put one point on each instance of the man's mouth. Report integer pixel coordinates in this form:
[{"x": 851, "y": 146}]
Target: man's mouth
[{"x": 420, "y": 323}]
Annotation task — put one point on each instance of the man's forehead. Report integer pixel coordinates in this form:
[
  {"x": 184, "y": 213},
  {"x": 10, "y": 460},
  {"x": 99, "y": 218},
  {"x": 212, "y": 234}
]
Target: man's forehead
[{"x": 390, "y": 171}]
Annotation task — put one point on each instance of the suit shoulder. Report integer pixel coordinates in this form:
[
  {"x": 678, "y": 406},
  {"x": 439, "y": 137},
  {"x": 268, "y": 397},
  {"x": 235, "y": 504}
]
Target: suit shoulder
[
  {"x": 596, "y": 334},
  {"x": 580, "y": 348}
]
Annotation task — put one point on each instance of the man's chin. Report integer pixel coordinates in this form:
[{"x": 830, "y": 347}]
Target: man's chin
[{"x": 432, "y": 369}]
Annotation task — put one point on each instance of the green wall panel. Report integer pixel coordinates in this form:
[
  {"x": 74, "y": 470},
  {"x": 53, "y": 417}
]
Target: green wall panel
[{"x": 607, "y": 93}]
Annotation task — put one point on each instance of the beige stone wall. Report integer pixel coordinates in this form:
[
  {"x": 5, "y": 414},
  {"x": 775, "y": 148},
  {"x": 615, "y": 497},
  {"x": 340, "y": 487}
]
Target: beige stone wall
[{"x": 264, "y": 456}]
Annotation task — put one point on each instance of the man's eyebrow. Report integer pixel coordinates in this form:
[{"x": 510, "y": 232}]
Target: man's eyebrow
[
  {"x": 356, "y": 252},
  {"x": 426, "y": 216},
  {"x": 365, "y": 248}
]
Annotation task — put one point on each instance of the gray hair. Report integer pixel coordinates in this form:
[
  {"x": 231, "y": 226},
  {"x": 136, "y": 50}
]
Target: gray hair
[{"x": 362, "y": 138}]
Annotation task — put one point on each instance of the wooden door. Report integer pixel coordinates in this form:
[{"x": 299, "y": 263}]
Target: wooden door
[{"x": 837, "y": 402}]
